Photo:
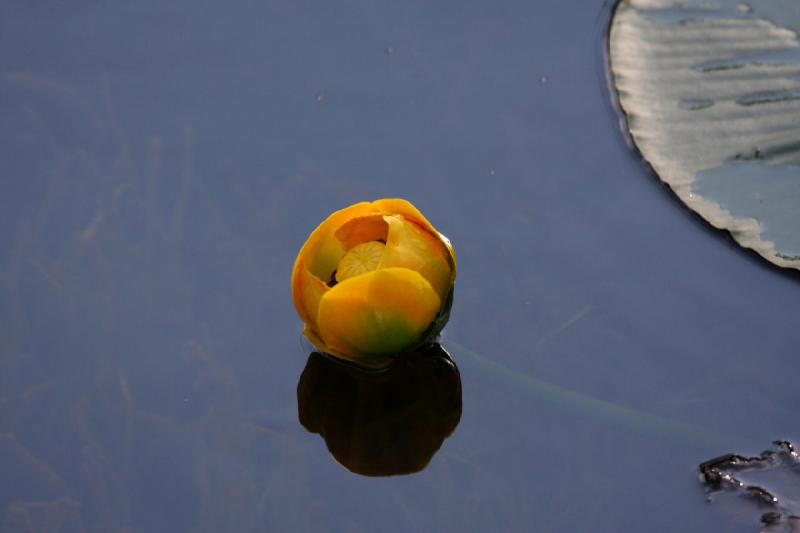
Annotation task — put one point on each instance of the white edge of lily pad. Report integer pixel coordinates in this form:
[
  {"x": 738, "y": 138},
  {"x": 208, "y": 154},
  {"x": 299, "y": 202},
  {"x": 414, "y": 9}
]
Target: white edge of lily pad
[{"x": 747, "y": 232}]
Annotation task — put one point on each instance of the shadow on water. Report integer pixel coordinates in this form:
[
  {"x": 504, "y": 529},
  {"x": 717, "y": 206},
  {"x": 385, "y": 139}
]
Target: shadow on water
[{"x": 382, "y": 423}]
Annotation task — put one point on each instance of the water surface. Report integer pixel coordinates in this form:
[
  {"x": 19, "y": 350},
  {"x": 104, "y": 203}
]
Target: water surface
[{"x": 160, "y": 166}]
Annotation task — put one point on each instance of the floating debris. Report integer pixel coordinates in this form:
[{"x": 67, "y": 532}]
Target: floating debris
[{"x": 727, "y": 474}]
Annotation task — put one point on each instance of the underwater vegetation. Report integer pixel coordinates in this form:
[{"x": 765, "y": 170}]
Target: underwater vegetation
[{"x": 119, "y": 408}]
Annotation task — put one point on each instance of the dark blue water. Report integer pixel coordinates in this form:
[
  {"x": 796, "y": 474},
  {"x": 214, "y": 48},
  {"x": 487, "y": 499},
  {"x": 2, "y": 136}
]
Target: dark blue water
[{"x": 161, "y": 164}]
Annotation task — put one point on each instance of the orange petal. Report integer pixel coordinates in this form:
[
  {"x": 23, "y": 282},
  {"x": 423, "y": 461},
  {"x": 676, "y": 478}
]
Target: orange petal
[
  {"x": 322, "y": 250},
  {"x": 377, "y": 314},
  {"x": 362, "y": 229},
  {"x": 307, "y": 291},
  {"x": 398, "y": 206}
]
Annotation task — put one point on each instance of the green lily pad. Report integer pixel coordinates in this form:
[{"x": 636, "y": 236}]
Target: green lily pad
[{"x": 711, "y": 95}]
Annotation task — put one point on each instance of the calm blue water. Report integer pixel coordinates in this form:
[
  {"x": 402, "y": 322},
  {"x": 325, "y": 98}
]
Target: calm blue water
[{"x": 162, "y": 162}]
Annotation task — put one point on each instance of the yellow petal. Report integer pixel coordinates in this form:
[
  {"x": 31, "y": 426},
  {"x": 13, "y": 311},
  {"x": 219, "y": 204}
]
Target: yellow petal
[
  {"x": 377, "y": 314},
  {"x": 410, "y": 246},
  {"x": 307, "y": 291},
  {"x": 398, "y": 206}
]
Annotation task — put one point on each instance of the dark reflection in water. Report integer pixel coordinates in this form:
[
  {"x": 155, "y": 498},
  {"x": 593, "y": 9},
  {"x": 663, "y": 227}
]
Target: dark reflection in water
[{"x": 382, "y": 423}]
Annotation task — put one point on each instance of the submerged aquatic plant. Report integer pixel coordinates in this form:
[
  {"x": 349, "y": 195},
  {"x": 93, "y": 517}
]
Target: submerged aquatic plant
[{"x": 374, "y": 280}]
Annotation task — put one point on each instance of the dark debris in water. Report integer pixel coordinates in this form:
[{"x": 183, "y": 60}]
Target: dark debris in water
[{"x": 726, "y": 473}]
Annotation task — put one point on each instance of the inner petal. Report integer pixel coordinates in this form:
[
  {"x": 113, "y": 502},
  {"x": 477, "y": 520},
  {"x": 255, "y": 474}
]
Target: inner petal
[
  {"x": 362, "y": 258},
  {"x": 362, "y": 229}
]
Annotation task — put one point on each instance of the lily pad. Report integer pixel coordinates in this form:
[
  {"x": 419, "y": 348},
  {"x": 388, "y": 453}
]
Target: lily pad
[{"x": 710, "y": 92}]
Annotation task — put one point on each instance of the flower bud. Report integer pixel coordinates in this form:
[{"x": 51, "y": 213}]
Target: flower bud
[{"x": 372, "y": 281}]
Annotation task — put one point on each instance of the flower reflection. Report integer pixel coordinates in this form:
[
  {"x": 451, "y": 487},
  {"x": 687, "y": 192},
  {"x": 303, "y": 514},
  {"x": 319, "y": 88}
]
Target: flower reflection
[{"x": 382, "y": 423}]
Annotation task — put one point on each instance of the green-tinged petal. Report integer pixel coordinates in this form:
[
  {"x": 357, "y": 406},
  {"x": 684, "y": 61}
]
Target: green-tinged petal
[
  {"x": 377, "y": 314},
  {"x": 410, "y": 246}
]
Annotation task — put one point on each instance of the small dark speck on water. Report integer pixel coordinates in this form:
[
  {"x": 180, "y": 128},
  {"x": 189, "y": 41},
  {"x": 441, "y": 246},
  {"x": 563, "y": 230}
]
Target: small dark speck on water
[{"x": 388, "y": 51}]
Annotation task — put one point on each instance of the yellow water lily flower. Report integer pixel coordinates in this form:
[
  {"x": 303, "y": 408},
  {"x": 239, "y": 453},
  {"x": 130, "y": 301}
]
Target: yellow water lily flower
[{"x": 374, "y": 280}]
